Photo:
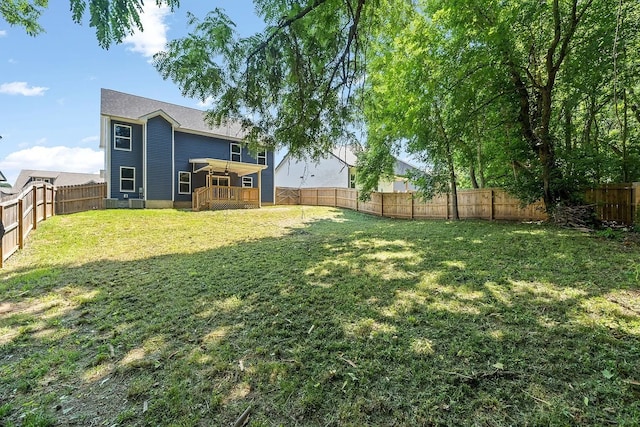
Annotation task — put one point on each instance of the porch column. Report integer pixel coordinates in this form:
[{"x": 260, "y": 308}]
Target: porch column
[{"x": 260, "y": 188}]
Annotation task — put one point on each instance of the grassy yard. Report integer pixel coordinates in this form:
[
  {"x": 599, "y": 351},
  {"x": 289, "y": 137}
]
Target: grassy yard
[{"x": 317, "y": 317}]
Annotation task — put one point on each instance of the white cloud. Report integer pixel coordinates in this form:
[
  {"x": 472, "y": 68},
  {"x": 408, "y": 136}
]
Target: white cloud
[
  {"x": 22, "y": 88},
  {"x": 60, "y": 158},
  {"x": 3, "y": 33},
  {"x": 12, "y": 61},
  {"x": 207, "y": 103},
  {"x": 154, "y": 37}
]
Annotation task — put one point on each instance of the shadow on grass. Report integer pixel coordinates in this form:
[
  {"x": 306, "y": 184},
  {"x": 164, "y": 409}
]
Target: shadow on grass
[{"x": 351, "y": 321}]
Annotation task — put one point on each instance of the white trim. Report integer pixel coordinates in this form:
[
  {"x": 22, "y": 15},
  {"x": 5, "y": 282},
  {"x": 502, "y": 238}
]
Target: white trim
[
  {"x": 185, "y": 130},
  {"x": 115, "y": 137},
  {"x": 231, "y": 153},
  {"x": 128, "y": 179},
  {"x": 258, "y": 157},
  {"x": 180, "y": 182},
  {"x": 173, "y": 163},
  {"x": 106, "y": 146},
  {"x": 162, "y": 114},
  {"x": 144, "y": 161},
  {"x": 248, "y": 179}
]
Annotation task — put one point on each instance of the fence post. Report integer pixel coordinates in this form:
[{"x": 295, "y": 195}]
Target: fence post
[
  {"x": 54, "y": 193},
  {"x": 636, "y": 202},
  {"x": 44, "y": 202},
  {"x": 335, "y": 197},
  {"x": 21, "y": 224},
  {"x": 381, "y": 204},
  {"x": 413, "y": 202},
  {"x": 34, "y": 206},
  {"x": 357, "y": 202}
]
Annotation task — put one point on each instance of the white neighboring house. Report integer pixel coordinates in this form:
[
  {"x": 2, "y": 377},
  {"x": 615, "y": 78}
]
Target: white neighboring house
[{"x": 335, "y": 170}]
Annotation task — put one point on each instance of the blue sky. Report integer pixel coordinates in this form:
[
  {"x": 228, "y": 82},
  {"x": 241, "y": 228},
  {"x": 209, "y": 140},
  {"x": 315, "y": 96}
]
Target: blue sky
[{"x": 50, "y": 84}]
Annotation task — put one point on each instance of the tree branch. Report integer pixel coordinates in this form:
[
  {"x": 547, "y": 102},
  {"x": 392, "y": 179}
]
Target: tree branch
[{"x": 284, "y": 23}]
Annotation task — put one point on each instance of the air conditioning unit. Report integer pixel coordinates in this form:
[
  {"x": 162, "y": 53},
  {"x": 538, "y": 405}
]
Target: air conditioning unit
[
  {"x": 136, "y": 203},
  {"x": 111, "y": 203}
]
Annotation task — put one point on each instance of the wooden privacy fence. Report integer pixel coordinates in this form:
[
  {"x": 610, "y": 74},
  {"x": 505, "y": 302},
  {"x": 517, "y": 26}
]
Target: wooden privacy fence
[
  {"x": 21, "y": 215},
  {"x": 80, "y": 198},
  {"x": 486, "y": 203},
  {"x": 616, "y": 202}
]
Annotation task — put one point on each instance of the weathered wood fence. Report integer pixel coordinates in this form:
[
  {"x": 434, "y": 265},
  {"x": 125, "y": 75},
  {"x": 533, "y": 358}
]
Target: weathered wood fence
[
  {"x": 616, "y": 202},
  {"x": 490, "y": 203},
  {"x": 613, "y": 202},
  {"x": 80, "y": 198},
  {"x": 23, "y": 214}
]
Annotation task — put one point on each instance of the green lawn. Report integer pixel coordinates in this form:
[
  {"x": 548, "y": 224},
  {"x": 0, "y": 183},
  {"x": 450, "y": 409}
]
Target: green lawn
[{"x": 317, "y": 317}]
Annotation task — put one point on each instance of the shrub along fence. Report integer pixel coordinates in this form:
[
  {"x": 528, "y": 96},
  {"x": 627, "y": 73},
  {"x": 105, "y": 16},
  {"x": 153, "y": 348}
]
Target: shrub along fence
[
  {"x": 21, "y": 215},
  {"x": 486, "y": 203}
]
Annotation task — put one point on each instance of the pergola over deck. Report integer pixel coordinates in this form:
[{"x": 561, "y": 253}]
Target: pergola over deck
[{"x": 226, "y": 197}]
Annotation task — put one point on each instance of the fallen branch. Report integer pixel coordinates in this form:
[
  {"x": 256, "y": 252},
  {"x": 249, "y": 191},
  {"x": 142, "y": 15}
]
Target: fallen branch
[{"x": 243, "y": 418}]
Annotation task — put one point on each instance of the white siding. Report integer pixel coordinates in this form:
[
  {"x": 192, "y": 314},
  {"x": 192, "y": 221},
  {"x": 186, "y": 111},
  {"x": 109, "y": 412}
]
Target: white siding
[{"x": 327, "y": 172}]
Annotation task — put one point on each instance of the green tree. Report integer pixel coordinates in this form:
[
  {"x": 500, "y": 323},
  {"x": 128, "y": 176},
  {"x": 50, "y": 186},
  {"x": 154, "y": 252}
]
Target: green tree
[
  {"x": 495, "y": 92},
  {"x": 291, "y": 84},
  {"x": 113, "y": 20}
]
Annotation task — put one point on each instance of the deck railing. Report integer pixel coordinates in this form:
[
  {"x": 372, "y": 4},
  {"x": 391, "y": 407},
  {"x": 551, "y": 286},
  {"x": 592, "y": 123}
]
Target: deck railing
[{"x": 223, "y": 197}]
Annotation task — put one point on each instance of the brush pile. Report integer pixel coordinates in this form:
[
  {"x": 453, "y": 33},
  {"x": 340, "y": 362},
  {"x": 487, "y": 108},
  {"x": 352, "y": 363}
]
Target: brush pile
[{"x": 582, "y": 217}]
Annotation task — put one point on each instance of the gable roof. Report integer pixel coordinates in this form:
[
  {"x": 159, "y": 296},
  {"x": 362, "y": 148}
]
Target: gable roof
[
  {"x": 126, "y": 106},
  {"x": 59, "y": 179}
]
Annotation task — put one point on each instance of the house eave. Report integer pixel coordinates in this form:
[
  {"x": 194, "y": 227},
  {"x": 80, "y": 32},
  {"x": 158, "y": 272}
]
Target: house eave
[{"x": 225, "y": 166}]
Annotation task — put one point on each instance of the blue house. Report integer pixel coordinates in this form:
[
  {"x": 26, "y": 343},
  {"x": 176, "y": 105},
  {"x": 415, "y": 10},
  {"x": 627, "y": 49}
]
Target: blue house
[{"x": 161, "y": 155}]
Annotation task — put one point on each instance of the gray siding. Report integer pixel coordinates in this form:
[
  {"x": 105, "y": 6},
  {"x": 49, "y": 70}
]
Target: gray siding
[
  {"x": 131, "y": 158},
  {"x": 159, "y": 159}
]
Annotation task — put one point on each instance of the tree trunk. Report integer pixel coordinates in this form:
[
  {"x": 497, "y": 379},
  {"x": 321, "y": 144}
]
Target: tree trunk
[
  {"x": 472, "y": 175},
  {"x": 452, "y": 183}
]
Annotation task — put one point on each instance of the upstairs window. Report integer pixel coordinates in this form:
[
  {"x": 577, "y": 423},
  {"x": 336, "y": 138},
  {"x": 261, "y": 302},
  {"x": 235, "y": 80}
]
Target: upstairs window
[
  {"x": 122, "y": 137},
  {"x": 262, "y": 157},
  {"x": 184, "y": 182},
  {"x": 127, "y": 179},
  {"x": 236, "y": 152}
]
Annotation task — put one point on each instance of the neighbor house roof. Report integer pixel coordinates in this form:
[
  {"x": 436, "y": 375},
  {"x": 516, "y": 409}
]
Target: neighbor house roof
[
  {"x": 59, "y": 179},
  {"x": 126, "y": 106}
]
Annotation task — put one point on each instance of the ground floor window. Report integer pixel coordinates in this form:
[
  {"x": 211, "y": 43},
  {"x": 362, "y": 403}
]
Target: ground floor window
[
  {"x": 127, "y": 179},
  {"x": 247, "y": 181},
  {"x": 184, "y": 182}
]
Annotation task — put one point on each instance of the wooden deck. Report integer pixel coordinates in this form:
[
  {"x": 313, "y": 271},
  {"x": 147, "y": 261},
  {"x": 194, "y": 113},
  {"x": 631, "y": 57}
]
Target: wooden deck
[{"x": 223, "y": 197}]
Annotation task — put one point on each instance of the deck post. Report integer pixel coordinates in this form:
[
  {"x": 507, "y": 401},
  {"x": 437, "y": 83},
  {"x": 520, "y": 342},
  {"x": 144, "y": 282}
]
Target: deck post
[{"x": 260, "y": 188}]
